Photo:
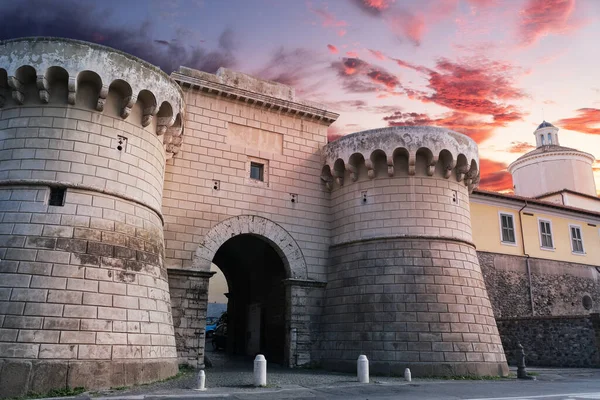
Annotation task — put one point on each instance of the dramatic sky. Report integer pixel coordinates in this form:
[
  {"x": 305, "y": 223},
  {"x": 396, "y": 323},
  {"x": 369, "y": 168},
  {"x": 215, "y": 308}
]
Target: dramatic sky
[{"x": 492, "y": 69}]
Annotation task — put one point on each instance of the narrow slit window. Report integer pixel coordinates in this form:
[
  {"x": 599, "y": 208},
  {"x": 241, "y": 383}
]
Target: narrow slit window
[
  {"x": 57, "y": 196},
  {"x": 257, "y": 171},
  {"x": 546, "y": 234},
  {"x": 508, "y": 228},
  {"x": 576, "y": 239}
]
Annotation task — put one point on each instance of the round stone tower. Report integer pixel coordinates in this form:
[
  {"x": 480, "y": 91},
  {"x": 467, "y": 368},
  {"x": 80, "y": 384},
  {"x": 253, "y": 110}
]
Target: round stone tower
[
  {"x": 84, "y": 134},
  {"x": 404, "y": 283}
]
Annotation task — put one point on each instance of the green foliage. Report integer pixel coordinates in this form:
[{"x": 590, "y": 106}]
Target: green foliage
[{"x": 64, "y": 392}]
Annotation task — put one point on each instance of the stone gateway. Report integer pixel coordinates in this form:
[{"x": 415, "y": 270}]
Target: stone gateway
[{"x": 120, "y": 185}]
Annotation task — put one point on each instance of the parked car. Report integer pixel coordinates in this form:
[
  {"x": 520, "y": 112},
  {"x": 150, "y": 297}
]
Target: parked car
[
  {"x": 219, "y": 338},
  {"x": 211, "y": 325}
]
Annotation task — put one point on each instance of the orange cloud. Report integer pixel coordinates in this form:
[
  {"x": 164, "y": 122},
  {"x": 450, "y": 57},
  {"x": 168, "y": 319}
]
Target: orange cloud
[
  {"x": 543, "y": 17},
  {"x": 520, "y": 147},
  {"x": 494, "y": 176},
  {"x": 588, "y": 121},
  {"x": 468, "y": 124},
  {"x": 372, "y": 7},
  {"x": 475, "y": 86},
  {"x": 333, "y": 49}
]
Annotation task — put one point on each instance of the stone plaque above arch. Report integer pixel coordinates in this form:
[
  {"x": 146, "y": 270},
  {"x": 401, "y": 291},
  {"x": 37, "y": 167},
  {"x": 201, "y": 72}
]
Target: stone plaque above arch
[{"x": 283, "y": 243}]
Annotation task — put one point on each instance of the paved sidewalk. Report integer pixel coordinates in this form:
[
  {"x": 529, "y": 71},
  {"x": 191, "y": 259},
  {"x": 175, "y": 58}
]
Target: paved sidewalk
[{"x": 231, "y": 377}]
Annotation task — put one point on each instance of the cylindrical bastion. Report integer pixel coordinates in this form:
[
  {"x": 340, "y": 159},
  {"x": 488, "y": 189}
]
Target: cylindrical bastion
[
  {"x": 404, "y": 283},
  {"x": 84, "y": 134}
]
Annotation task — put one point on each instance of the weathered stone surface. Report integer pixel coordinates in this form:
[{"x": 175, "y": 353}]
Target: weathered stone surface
[
  {"x": 46, "y": 376},
  {"x": 563, "y": 341},
  {"x": 14, "y": 378}
]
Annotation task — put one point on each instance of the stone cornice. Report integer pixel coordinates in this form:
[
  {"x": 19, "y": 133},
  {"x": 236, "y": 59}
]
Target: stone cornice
[
  {"x": 451, "y": 152},
  {"x": 526, "y": 160},
  {"x": 190, "y": 272},
  {"x": 304, "y": 283},
  {"x": 258, "y": 99}
]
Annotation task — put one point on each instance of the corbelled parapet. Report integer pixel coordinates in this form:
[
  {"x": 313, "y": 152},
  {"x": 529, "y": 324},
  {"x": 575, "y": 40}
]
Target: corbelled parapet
[
  {"x": 54, "y": 70},
  {"x": 394, "y": 151},
  {"x": 404, "y": 286},
  {"x": 85, "y": 132}
]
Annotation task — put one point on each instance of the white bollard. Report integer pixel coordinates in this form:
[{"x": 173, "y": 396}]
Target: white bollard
[
  {"x": 407, "y": 375},
  {"x": 362, "y": 369},
  {"x": 260, "y": 371},
  {"x": 201, "y": 381}
]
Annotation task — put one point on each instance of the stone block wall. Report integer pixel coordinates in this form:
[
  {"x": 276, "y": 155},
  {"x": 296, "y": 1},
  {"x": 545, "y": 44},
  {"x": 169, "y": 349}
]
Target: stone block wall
[
  {"x": 189, "y": 297},
  {"x": 400, "y": 206},
  {"x": 557, "y": 287},
  {"x": 79, "y": 146},
  {"x": 566, "y": 341},
  {"x": 213, "y": 150},
  {"x": 409, "y": 303},
  {"x": 82, "y": 290}
]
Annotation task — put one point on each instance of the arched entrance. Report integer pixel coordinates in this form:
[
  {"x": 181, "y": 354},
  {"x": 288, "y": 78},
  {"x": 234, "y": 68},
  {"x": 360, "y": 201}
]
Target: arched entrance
[
  {"x": 259, "y": 260},
  {"x": 256, "y": 310}
]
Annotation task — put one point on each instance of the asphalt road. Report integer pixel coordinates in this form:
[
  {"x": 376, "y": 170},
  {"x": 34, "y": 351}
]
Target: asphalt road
[{"x": 577, "y": 389}]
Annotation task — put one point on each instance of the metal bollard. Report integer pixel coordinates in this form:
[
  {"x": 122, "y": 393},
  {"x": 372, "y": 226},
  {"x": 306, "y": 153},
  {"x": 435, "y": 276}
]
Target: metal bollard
[
  {"x": 260, "y": 371},
  {"x": 521, "y": 372},
  {"x": 362, "y": 369},
  {"x": 407, "y": 375},
  {"x": 201, "y": 381}
]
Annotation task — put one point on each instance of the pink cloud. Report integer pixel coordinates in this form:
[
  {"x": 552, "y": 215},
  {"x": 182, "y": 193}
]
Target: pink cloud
[
  {"x": 405, "y": 24},
  {"x": 543, "y": 17},
  {"x": 327, "y": 18},
  {"x": 378, "y": 54},
  {"x": 333, "y": 49},
  {"x": 352, "y": 54}
]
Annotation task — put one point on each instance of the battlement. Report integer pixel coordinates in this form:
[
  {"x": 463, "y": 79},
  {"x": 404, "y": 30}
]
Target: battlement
[
  {"x": 406, "y": 150},
  {"x": 39, "y": 71}
]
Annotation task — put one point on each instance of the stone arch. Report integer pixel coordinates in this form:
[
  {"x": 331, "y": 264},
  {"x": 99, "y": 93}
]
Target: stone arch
[{"x": 281, "y": 241}]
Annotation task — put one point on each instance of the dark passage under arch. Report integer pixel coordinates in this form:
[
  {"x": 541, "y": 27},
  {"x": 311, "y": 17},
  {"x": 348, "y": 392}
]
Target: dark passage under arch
[{"x": 256, "y": 310}]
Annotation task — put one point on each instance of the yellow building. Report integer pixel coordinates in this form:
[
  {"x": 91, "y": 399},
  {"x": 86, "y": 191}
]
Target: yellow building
[{"x": 521, "y": 226}]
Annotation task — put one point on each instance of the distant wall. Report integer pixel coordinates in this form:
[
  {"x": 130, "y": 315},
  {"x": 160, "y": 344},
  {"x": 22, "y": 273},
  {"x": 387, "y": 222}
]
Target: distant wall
[
  {"x": 558, "y": 288},
  {"x": 553, "y": 341}
]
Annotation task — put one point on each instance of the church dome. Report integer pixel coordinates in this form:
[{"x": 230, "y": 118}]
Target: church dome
[{"x": 545, "y": 124}]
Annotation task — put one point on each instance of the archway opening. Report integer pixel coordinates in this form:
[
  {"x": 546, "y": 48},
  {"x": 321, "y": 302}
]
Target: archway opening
[{"x": 256, "y": 307}]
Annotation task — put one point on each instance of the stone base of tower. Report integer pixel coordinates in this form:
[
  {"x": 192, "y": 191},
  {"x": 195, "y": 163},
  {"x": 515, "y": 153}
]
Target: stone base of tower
[
  {"x": 20, "y": 377},
  {"x": 419, "y": 303}
]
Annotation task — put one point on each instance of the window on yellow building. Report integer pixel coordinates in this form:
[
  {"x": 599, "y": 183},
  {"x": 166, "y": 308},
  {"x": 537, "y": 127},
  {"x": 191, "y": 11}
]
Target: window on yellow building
[
  {"x": 507, "y": 227},
  {"x": 576, "y": 239},
  {"x": 546, "y": 234}
]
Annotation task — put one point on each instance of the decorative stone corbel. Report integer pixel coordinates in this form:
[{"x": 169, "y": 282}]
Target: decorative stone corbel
[
  {"x": 162, "y": 123},
  {"x": 102, "y": 98},
  {"x": 431, "y": 166},
  {"x": 72, "y": 86},
  {"x": 474, "y": 183},
  {"x": 42, "y": 85},
  {"x": 412, "y": 162},
  {"x": 328, "y": 180},
  {"x": 461, "y": 172},
  {"x": 148, "y": 114},
  {"x": 339, "y": 177},
  {"x": 370, "y": 170},
  {"x": 129, "y": 103},
  {"x": 17, "y": 89},
  {"x": 390, "y": 166},
  {"x": 448, "y": 168},
  {"x": 353, "y": 172}
]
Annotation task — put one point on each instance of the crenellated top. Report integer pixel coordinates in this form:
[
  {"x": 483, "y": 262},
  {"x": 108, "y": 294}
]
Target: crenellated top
[
  {"x": 388, "y": 150},
  {"x": 53, "y": 70}
]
